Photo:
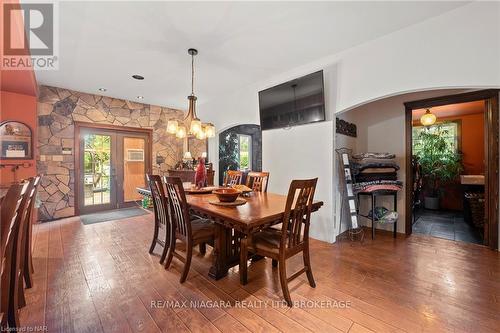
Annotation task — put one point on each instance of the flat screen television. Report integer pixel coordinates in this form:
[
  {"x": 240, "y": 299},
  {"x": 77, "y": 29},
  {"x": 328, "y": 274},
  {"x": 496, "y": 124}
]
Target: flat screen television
[{"x": 297, "y": 102}]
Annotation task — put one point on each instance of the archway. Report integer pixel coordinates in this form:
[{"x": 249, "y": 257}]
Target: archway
[{"x": 229, "y": 152}]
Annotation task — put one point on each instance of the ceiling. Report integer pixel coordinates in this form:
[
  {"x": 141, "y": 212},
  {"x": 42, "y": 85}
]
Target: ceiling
[
  {"x": 452, "y": 110},
  {"x": 103, "y": 43}
]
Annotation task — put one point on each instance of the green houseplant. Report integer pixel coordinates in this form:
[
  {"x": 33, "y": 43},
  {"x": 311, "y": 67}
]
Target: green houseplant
[{"x": 440, "y": 163}]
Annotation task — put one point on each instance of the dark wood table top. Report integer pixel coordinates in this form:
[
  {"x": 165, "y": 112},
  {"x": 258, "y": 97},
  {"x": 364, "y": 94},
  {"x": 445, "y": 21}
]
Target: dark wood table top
[{"x": 260, "y": 209}]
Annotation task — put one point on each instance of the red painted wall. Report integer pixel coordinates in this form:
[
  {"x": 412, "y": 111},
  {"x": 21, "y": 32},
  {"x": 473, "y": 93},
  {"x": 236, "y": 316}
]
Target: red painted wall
[{"x": 21, "y": 108}]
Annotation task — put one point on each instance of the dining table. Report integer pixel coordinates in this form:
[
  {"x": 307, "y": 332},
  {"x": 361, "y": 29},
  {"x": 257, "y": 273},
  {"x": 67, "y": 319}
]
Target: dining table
[{"x": 261, "y": 210}]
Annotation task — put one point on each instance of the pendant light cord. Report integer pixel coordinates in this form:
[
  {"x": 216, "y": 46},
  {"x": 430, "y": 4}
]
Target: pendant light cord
[{"x": 192, "y": 74}]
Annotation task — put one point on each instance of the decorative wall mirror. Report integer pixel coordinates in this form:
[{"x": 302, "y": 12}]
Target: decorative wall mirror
[{"x": 15, "y": 141}]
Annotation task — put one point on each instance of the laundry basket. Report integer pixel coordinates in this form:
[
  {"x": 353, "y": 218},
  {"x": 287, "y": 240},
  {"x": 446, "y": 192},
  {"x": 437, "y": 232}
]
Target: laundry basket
[{"x": 476, "y": 204}]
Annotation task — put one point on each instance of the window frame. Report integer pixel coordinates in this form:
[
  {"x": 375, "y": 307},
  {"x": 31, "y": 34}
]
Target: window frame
[{"x": 458, "y": 123}]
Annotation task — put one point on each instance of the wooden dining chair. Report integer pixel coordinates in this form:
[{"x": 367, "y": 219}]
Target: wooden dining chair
[
  {"x": 233, "y": 177},
  {"x": 25, "y": 234},
  {"x": 27, "y": 262},
  {"x": 257, "y": 181},
  {"x": 191, "y": 232},
  {"x": 8, "y": 211},
  {"x": 292, "y": 239},
  {"x": 161, "y": 233},
  {"x": 11, "y": 275}
]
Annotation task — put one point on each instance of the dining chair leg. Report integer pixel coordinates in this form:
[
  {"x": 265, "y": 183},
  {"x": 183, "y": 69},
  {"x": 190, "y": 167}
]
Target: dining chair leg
[
  {"x": 307, "y": 264},
  {"x": 164, "y": 254},
  {"x": 243, "y": 261},
  {"x": 3, "y": 322},
  {"x": 274, "y": 262},
  {"x": 284, "y": 282},
  {"x": 187, "y": 264},
  {"x": 153, "y": 243},
  {"x": 28, "y": 260},
  {"x": 170, "y": 253},
  {"x": 203, "y": 248},
  {"x": 27, "y": 271},
  {"x": 13, "y": 316},
  {"x": 20, "y": 294}
]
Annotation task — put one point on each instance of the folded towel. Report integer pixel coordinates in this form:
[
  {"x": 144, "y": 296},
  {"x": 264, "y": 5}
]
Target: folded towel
[
  {"x": 359, "y": 167},
  {"x": 374, "y": 155},
  {"x": 366, "y": 177},
  {"x": 378, "y": 170},
  {"x": 373, "y": 188},
  {"x": 370, "y": 186}
]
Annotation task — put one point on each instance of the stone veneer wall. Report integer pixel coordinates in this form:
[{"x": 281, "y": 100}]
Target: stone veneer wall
[{"x": 58, "y": 109}]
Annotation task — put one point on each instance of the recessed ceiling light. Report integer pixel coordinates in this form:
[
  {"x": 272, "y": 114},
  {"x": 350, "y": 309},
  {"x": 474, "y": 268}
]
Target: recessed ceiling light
[
  {"x": 102, "y": 89},
  {"x": 140, "y": 97},
  {"x": 138, "y": 77}
]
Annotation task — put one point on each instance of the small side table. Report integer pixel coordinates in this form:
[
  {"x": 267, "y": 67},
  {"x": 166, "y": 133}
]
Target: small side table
[{"x": 374, "y": 195}]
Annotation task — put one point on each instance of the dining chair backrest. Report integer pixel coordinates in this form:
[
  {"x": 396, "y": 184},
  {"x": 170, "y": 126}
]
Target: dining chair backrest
[
  {"x": 12, "y": 254},
  {"x": 257, "y": 181},
  {"x": 160, "y": 202},
  {"x": 295, "y": 227},
  {"x": 178, "y": 207},
  {"x": 8, "y": 211},
  {"x": 233, "y": 177},
  {"x": 30, "y": 204},
  {"x": 26, "y": 260}
]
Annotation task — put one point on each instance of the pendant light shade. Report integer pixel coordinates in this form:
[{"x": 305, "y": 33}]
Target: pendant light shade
[
  {"x": 172, "y": 126},
  {"x": 181, "y": 132},
  {"x": 210, "y": 130},
  {"x": 428, "y": 118},
  {"x": 195, "y": 127},
  {"x": 201, "y": 134}
]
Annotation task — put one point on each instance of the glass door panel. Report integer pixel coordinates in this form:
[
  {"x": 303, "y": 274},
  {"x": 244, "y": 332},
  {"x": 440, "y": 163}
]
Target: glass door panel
[{"x": 96, "y": 169}]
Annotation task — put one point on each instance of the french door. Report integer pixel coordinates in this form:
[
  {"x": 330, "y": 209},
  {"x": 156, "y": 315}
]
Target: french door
[{"x": 112, "y": 164}]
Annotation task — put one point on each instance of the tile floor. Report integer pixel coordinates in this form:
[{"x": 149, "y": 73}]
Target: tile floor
[{"x": 446, "y": 224}]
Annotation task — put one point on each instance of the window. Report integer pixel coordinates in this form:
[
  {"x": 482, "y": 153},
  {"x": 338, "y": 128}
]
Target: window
[
  {"x": 449, "y": 130},
  {"x": 245, "y": 152}
]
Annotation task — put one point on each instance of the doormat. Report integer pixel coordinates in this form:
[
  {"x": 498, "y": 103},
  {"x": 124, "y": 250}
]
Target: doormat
[{"x": 111, "y": 215}]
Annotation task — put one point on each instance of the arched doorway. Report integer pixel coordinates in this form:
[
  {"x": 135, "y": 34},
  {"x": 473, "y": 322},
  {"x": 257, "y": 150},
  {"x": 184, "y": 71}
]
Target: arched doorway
[{"x": 240, "y": 148}]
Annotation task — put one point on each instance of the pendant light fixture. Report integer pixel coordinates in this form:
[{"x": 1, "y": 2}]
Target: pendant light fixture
[
  {"x": 191, "y": 125},
  {"x": 428, "y": 118}
]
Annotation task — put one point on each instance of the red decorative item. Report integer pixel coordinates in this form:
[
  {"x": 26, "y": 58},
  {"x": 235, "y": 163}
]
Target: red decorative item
[{"x": 200, "y": 177}]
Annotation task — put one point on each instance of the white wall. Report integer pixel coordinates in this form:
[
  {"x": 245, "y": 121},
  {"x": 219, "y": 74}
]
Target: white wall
[
  {"x": 460, "y": 48},
  {"x": 296, "y": 154}
]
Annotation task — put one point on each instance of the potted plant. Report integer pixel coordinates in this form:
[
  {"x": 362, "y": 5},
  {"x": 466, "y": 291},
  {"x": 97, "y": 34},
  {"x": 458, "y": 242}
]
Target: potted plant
[{"x": 440, "y": 163}]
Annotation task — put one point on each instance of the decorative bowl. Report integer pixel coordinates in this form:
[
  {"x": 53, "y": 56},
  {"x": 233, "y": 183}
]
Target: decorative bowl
[{"x": 226, "y": 194}]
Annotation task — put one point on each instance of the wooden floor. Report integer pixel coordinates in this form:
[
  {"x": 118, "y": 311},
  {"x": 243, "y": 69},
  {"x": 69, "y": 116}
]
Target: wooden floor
[{"x": 100, "y": 277}]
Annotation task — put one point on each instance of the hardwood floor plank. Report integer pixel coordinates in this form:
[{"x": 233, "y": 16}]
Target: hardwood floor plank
[{"x": 101, "y": 278}]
